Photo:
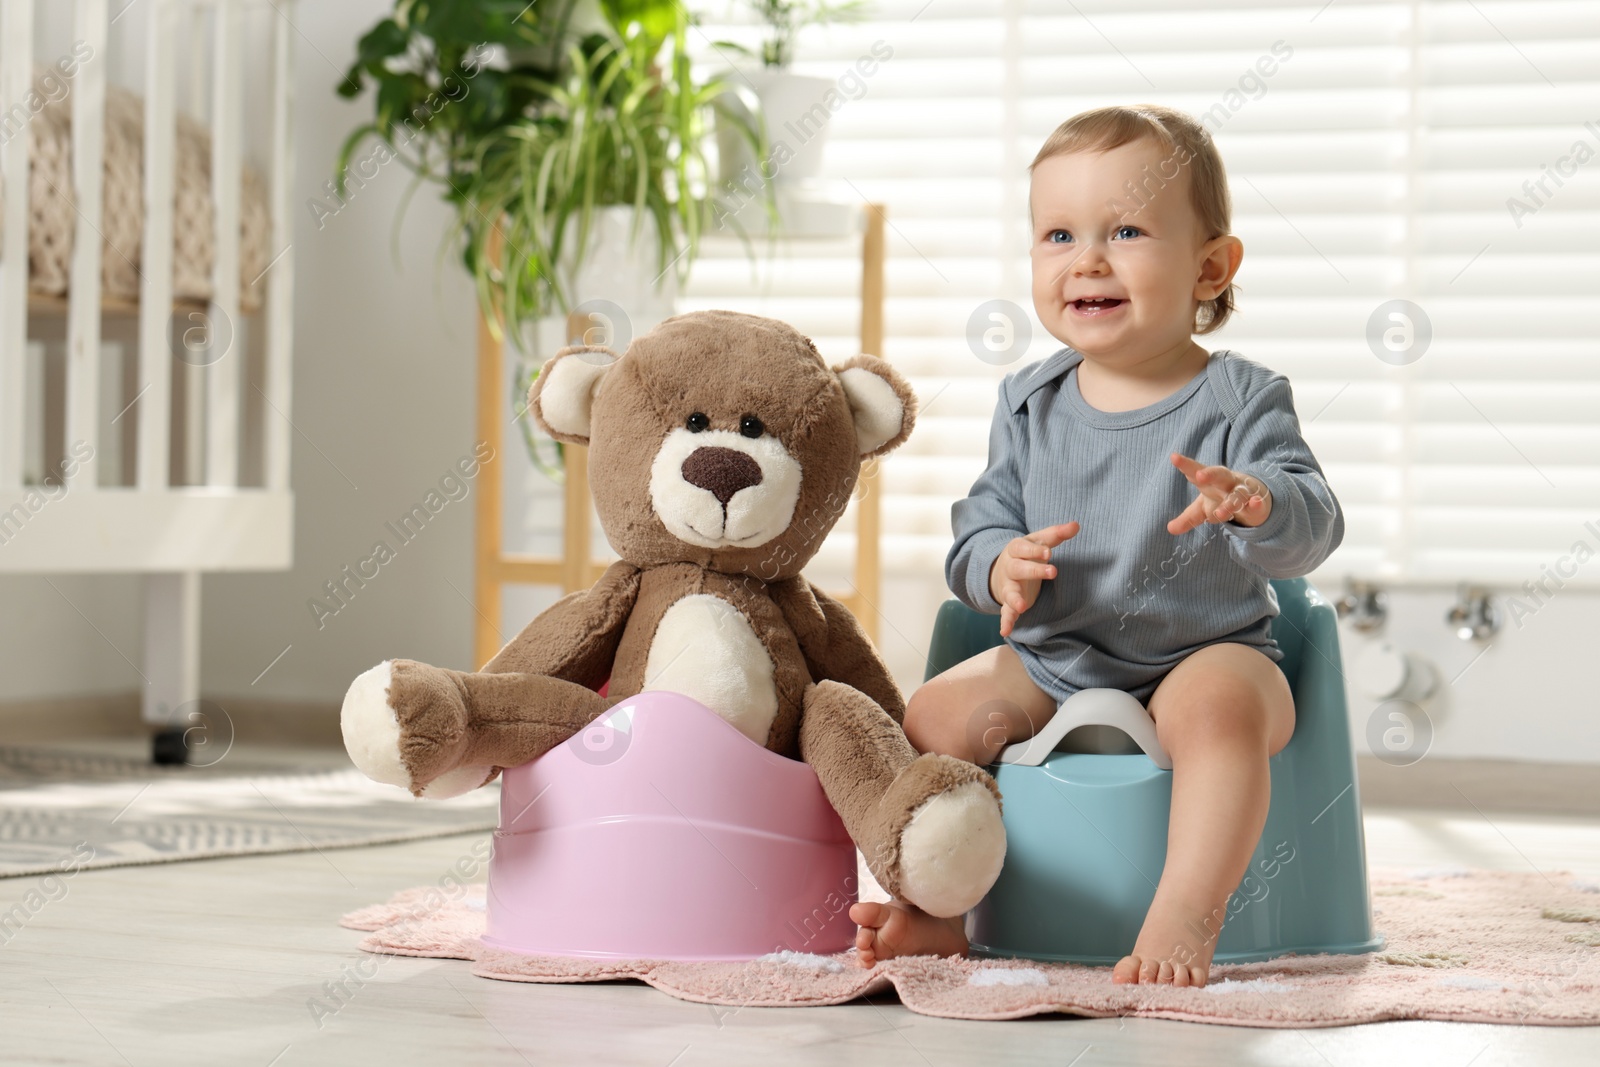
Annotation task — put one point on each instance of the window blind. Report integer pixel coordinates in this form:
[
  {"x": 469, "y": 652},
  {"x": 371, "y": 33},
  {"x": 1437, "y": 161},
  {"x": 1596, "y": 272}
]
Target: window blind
[{"x": 1441, "y": 154}]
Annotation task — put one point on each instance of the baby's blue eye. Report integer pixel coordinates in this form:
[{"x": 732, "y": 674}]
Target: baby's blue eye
[
  {"x": 1134, "y": 230},
  {"x": 1058, "y": 236}
]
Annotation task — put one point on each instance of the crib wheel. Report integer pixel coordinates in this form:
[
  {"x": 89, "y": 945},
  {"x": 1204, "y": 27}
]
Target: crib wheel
[{"x": 169, "y": 747}]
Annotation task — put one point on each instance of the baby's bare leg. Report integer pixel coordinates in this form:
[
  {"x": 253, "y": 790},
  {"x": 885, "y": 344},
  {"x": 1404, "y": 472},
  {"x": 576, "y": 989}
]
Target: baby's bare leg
[
  {"x": 1219, "y": 714},
  {"x": 971, "y": 711},
  {"x": 978, "y": 707}
]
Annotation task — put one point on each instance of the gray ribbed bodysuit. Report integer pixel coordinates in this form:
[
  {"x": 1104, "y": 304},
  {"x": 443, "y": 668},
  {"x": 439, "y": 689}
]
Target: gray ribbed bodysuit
[{"x": 1130, "y": 600}]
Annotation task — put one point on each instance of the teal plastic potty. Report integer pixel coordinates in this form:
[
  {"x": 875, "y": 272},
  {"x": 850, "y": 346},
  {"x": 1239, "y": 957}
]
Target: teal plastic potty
[{"x": 1086, "y": 827}]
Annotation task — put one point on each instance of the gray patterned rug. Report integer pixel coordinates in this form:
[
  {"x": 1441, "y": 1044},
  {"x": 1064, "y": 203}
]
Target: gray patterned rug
[{"x": 62, "y": 810}]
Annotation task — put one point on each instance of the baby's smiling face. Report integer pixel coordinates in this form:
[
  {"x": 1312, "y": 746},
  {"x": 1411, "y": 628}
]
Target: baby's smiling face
[{"x": 1153, "y": 263}]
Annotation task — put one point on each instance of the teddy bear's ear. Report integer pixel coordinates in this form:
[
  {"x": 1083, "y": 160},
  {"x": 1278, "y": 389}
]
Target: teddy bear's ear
[
  {"x": 883, "y": 405},
  {"x": 565, "y": 389}
]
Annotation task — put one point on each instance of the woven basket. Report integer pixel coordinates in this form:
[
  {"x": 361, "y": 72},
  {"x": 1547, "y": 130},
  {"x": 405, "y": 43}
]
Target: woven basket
[{"x": 53, "y": 215}]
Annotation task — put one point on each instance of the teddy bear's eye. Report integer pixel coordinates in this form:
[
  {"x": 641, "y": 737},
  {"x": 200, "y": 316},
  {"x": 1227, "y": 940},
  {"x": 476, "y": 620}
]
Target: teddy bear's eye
[
  {"x": 751, "y": 426},
  {"x": 697, "y": 422}
]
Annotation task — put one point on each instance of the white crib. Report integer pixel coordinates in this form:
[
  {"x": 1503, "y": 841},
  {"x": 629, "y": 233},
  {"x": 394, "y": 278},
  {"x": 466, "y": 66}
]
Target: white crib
[{"x": 201, "y": 447}]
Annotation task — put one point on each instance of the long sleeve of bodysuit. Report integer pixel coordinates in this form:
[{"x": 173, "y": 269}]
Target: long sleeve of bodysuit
[
  {"x": 991, "y": 515},
  {"x": 1306, "y": 523}
]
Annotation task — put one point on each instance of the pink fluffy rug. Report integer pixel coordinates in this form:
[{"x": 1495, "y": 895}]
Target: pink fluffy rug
[{"x": 1463, "y": 946}]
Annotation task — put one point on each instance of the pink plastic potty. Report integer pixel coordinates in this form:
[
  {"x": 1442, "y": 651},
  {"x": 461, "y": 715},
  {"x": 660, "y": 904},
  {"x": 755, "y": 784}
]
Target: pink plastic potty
[{"x": 662, "y": 832}]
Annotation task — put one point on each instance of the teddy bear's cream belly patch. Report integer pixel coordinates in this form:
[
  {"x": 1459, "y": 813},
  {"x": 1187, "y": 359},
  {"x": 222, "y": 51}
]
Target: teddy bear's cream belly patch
[{"x": 705, "y": 648}]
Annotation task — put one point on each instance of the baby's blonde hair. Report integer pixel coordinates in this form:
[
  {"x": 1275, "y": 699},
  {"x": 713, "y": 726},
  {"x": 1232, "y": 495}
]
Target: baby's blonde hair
[{"x": 1105, "y": 128}]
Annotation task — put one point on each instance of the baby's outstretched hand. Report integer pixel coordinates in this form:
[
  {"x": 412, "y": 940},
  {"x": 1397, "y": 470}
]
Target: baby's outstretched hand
[
  {"x": 1014, "y": 579},
  {"x": 1224, "y": 495}
]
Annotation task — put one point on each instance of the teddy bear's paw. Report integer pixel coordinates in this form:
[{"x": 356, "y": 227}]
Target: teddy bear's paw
[
  {"x": 952, "y": 849},
  {"x": 371, "y": 728},
  {"x": 456, "y": 782},
  {"x": 405, "y": 724}
]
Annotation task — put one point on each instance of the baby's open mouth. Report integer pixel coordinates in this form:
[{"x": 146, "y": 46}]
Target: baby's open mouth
[{"x": 1096, "y": 304}]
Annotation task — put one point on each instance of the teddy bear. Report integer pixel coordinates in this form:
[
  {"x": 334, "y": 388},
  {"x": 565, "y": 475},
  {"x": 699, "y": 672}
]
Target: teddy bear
[{"x": 722, "y": 449}]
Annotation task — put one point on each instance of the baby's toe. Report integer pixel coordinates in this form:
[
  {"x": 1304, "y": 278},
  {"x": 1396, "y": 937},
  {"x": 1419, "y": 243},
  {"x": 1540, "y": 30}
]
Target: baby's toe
[
  {"x": 869, "y": 916},
  {"x": 1126, "y": 970}
]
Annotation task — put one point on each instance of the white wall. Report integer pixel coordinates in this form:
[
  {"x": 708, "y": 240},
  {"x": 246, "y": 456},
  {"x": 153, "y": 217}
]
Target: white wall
[{"x": 383, "y": 406}]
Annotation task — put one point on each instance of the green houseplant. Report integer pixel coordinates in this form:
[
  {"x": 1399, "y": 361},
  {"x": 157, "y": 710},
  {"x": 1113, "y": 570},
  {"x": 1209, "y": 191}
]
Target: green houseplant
[{"x": 533, "y": 117}]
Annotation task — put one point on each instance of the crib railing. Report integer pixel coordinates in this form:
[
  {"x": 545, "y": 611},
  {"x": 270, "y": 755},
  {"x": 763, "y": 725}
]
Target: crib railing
[{"x": 157, "y": 525}]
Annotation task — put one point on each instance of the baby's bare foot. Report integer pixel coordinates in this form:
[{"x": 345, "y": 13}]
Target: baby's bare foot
[
  {"x": 1171, "y": 949},
  {"x": 888, "y": 931}
]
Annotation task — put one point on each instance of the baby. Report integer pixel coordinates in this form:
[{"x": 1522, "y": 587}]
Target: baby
[{"x": 1140, "y": 493}]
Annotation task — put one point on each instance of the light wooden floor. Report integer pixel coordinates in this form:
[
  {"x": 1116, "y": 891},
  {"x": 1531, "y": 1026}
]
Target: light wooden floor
[{"x": 215, "y": 962}]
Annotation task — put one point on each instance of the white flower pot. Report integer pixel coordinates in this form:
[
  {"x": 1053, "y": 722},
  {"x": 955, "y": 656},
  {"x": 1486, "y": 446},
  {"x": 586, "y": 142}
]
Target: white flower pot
[
  {"x": 795, "y": 107},
  {"x": 620, "y": 273}
]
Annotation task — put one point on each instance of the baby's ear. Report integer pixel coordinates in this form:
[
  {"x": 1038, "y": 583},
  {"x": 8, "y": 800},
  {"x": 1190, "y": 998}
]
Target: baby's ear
[
  {"x": 564, "y": 391},
  {"x": 883, "y": 405}
]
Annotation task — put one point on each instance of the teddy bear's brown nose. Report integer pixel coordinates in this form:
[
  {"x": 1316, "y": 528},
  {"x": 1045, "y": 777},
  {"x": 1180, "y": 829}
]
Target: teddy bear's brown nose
[{"x": 721, "y": 472}]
